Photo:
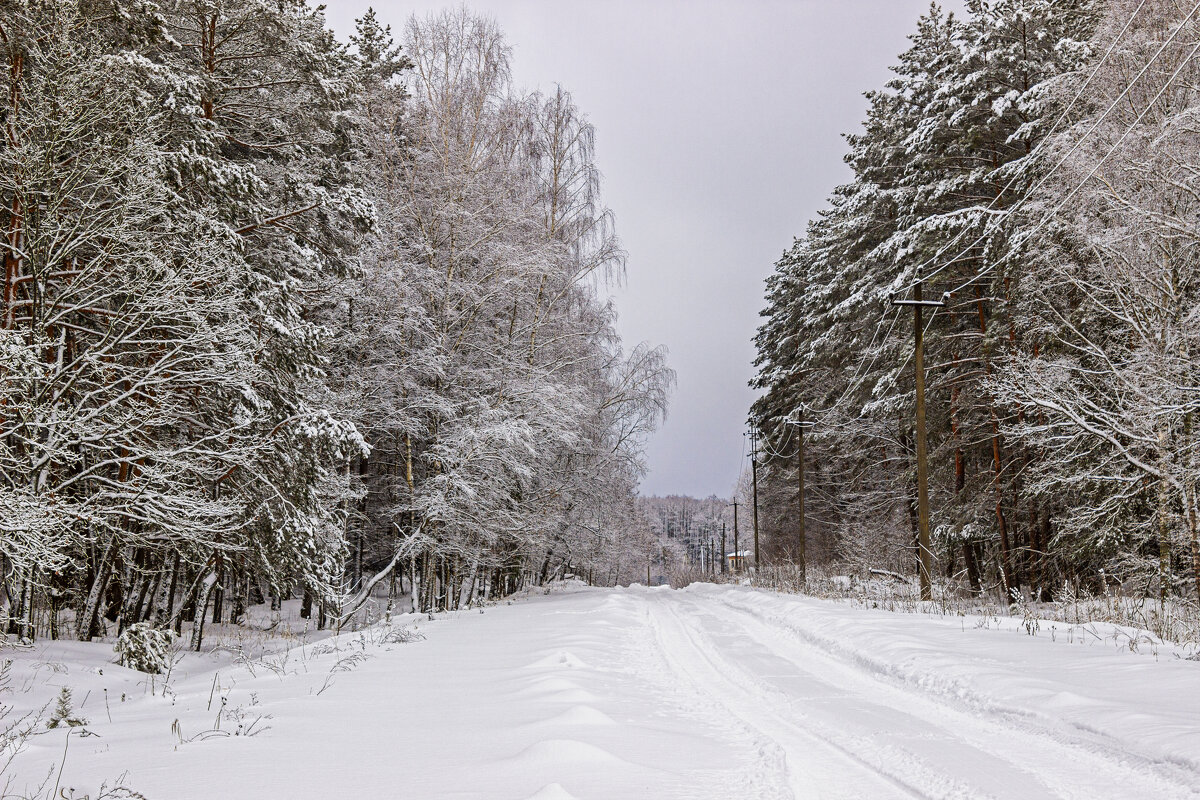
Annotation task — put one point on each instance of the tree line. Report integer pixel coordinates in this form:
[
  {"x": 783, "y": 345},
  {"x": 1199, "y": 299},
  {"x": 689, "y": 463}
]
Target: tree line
[
  {"x": 1035, "y": 163},
  {"x": 284, "y": 315}
]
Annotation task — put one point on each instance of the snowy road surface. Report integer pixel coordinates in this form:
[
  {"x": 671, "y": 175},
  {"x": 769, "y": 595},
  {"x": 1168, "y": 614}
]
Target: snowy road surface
[{"x": 710, "y": 692}]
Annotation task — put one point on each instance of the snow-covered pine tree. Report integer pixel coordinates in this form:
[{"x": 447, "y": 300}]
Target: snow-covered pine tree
[
  {"x": 260, "y": 90},
  {"x": 122, "y": 323},
  {"x": 947, "y": 146}
]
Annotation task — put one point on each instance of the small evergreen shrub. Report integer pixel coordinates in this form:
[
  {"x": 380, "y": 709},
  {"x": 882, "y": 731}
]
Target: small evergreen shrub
[
  {"x": 64, "y": 713},
  {"x": 144, "y": 648}
]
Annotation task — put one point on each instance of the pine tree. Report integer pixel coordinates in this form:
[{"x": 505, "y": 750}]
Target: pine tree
[{"x": 947, "y": 146}]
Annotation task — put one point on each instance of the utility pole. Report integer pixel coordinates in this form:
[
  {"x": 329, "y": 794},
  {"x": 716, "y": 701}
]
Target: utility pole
[
  {"x": 724, "y": 556},
  {"x": 712, "y": 548},
  {"x": 925, "y": 551},
  {"x": 737, "y": 554},
  {"x": 801, "y": 537},
  {"x": 754, "y": 484}
]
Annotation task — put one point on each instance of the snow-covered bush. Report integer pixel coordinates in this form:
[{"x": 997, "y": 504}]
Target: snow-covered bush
[
  {"x": 64, "y": 712},
  {"x": 144, "y": 648}
]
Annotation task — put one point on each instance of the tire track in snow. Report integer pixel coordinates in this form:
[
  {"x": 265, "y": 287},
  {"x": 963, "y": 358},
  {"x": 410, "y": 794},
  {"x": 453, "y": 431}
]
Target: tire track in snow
[
  {"x": 839, "y": 772},
  {"x": 645, "y": 658},
  {"x": 1067, "y": 763}
]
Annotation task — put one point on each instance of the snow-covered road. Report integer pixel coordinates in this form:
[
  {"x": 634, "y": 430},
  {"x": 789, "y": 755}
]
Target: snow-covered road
[{"x": 710, "y": 692}]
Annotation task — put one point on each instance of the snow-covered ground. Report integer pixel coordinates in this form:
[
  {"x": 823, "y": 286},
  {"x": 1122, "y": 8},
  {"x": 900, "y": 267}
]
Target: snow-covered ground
[{"x": 709, "y": 692}]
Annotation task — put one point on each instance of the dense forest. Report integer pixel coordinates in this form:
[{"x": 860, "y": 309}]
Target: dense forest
[
  {"x": 289, "y": 317},
  {"x": 1035, "y": 165}
]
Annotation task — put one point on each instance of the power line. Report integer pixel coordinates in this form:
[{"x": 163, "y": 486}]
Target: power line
[
  {"x": 860, "y": 372},
  {"x": 1149, "y": 106},
  {"x": 766, "y": 446},
  {"x": 1128, "y": 88},
  {"x": 1045, "y": 140}
]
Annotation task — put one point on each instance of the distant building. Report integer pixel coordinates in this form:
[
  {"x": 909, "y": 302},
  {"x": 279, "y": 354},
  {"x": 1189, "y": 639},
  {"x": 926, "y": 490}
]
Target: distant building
[{"x": 739, "y": 560}]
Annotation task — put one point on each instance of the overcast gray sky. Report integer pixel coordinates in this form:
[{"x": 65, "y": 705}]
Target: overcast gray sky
[{"x": 719, "y": 134}]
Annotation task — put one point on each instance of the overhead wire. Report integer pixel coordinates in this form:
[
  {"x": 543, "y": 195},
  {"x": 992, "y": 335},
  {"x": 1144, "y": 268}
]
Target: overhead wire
[
  {"x": 865, "y": 365},
  {"x": 860, "y": 371},
  {"x": 997, "y": 220},
  {"x": 1046, "y": 218},
  {"x": 1029, "y": 159}
]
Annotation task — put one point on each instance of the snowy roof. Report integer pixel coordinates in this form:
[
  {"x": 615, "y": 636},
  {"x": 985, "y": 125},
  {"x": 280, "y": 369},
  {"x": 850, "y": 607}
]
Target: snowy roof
[{"x": 740, "y": 554}]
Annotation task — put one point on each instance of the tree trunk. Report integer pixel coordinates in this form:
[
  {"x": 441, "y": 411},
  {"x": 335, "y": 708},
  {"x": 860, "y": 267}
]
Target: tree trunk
[
  {"x": 306, "y": 604},
  {"x": 391, "y": 603},
  {"x": 544, "y": 572},
  {"x": 1036, "y": 573},
  {"x": 241, "y": 599},
  {"x": 187, "y": 605},
  {"x": 1193, "y": 517},
  {"x": 218, "y": 598},
  {"x": 206, "y": 590},
  {"x": 418, "y": 583},
  {"x": 55, "y": 600},
  {"x": 86, "y": 625},
  {"x": 169, "y": 605},
  {"x": 1164, "y": 521},
  {"x": 148, "y": 600},
  {"x": 474, "y": 583},
  {"x": 412, "y": 585},
  {"x": 28, "y": 628},
  {"x": 1006, "y": 576},
  {"x": 131, "y": 611},
  {"x": 972, "y": 564}
]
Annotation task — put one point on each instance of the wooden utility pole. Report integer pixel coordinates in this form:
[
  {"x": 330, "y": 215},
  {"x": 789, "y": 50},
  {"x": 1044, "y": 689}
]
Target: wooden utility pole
[
  {"x": 801, "y": 538},
  {"x": 724, "y": 556},
  {"x": 737, "y": 554},
  {"x": 924, "y": 549},
  {"x": 754, "y": 485}
]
